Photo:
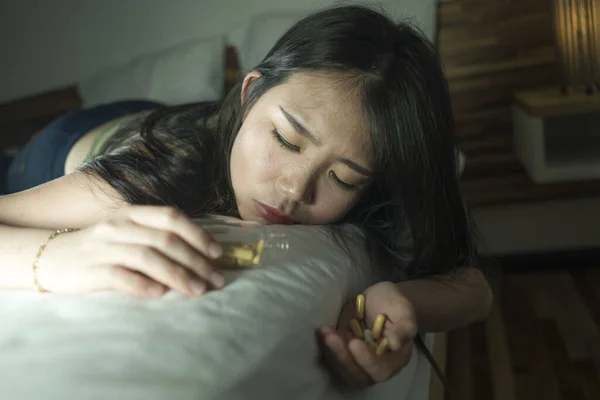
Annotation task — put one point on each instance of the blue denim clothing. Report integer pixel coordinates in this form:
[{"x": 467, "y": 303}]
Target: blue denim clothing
[{"x": 43, "y": 158}]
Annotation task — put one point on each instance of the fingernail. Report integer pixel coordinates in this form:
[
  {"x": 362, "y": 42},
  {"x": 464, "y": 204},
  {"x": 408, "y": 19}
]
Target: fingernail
[
  {"x": 154, "y": 291},
  {"x": 197, "y": 287},
  {"x": 215, "y": 250},
  {"x": 217, "y": 279}
]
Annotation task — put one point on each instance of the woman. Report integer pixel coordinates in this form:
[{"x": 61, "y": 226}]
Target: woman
[{"x": 346, "y": 120}]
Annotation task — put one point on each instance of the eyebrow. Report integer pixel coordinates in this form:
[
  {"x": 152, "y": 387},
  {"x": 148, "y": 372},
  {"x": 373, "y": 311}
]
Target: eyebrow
[
  {"x": 301, "y": 129},
  {"x": 357, "y": 168}
]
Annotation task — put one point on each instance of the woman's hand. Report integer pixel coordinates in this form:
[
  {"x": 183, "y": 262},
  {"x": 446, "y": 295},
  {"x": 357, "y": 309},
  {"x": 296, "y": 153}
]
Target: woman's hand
[
  {"x": 353, "y": 359},
  {"x": 144, "y": 250}
]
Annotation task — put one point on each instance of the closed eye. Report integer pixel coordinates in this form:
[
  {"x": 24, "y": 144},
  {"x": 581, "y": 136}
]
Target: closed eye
[
  {"x": 346, "y": 186},
  {"x": 284, "y": 143},
  {"x": 296, "y": 149}
]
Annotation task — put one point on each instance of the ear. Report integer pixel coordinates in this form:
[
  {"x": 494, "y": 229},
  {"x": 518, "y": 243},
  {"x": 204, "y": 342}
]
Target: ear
[{"x": 248, "y": 80}]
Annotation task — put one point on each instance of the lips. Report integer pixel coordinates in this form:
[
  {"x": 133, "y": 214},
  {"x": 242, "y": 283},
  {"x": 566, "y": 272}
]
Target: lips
[{"x": 272, "y": 215}]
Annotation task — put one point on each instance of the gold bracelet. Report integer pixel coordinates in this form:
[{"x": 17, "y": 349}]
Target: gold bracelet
[{"x": 36, "y": 265}]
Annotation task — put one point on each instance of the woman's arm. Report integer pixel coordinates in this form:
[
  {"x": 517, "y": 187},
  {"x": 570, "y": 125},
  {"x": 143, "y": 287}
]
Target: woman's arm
[
  {"x": 75, "y": 200},
  {"x": 449, "y": 302},
  {"x": 18, "y": 247},
  {"x": 27, "y": 219},
  {"x": 141, "y": 249}
]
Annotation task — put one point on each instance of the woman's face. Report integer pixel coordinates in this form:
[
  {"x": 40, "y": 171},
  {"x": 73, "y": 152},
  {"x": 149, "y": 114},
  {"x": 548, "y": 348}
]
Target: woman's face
[{"x": 303, "y": 153}]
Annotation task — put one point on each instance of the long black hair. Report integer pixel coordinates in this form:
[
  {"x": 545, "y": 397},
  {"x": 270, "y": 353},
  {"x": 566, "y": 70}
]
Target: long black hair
[{"x": 413, "y": 210}]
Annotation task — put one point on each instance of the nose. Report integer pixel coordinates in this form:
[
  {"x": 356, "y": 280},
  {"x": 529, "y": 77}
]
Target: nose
[{"x": 297, "y": 186}]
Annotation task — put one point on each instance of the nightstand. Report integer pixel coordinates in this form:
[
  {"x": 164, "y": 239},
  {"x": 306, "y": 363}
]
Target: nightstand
[{"x": 556, "y": 135}]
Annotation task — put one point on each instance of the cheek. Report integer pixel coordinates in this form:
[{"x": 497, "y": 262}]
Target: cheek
[
  {"x": 252, "y": 158},
  {"x": 333, "y": 205}
]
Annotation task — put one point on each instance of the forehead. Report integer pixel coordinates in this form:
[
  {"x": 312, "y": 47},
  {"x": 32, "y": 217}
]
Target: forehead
[{"x": 331, "y": 107}]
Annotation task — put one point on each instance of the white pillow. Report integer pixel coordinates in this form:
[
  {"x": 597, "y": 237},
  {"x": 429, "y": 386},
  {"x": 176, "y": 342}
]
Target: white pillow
[
  {"x": 253, "y": 339},
  {"x": 189, "y": 72},
  {"x": 254, "y": 38}
]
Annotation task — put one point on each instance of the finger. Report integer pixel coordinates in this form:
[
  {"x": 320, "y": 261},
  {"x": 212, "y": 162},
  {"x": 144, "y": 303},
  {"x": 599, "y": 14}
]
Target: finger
[
  {"x": 322, "y": 332},
  {"x": 168, "y": 243},
  {"x": 325, "y": 330},
  {"x": 340, "y": 360},
  {"x": 337, "y": 353},
  {"x": 332, "y": 345},
  {"x": 346, "y": 315},
  {"x": 121, "y": 278},
  {"x": 325, "y": 354},
  {"x": 173, "y": 220},
  {"x": 328, "y": 330},
  {"x": 383, "y": 367},
  {"x": 156, "y": 266},
  {"x": 397, "y": 333},
  {"x": 343, "y": 329}
]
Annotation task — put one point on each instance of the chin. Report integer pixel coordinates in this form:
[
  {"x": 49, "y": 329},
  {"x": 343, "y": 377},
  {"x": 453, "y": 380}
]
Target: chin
[{"x": 249, "y": 217}]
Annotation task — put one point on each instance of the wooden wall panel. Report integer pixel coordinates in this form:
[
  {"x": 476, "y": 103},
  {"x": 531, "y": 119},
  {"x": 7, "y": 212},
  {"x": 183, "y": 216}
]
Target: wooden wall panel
[
  {"x": 492, "y": 49},
  {"x": 20, "y": 119}
]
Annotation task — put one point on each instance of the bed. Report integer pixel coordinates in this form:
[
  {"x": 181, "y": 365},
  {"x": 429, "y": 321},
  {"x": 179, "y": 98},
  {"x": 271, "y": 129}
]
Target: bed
[{"x": 253, "y": 339}]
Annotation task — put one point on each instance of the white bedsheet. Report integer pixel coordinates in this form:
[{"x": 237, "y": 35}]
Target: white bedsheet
[{"x": 253, "y": 339}]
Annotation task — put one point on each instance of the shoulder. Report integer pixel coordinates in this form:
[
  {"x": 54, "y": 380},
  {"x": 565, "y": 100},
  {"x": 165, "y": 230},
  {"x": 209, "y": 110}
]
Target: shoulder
[{"x": 86, "y": 146}]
